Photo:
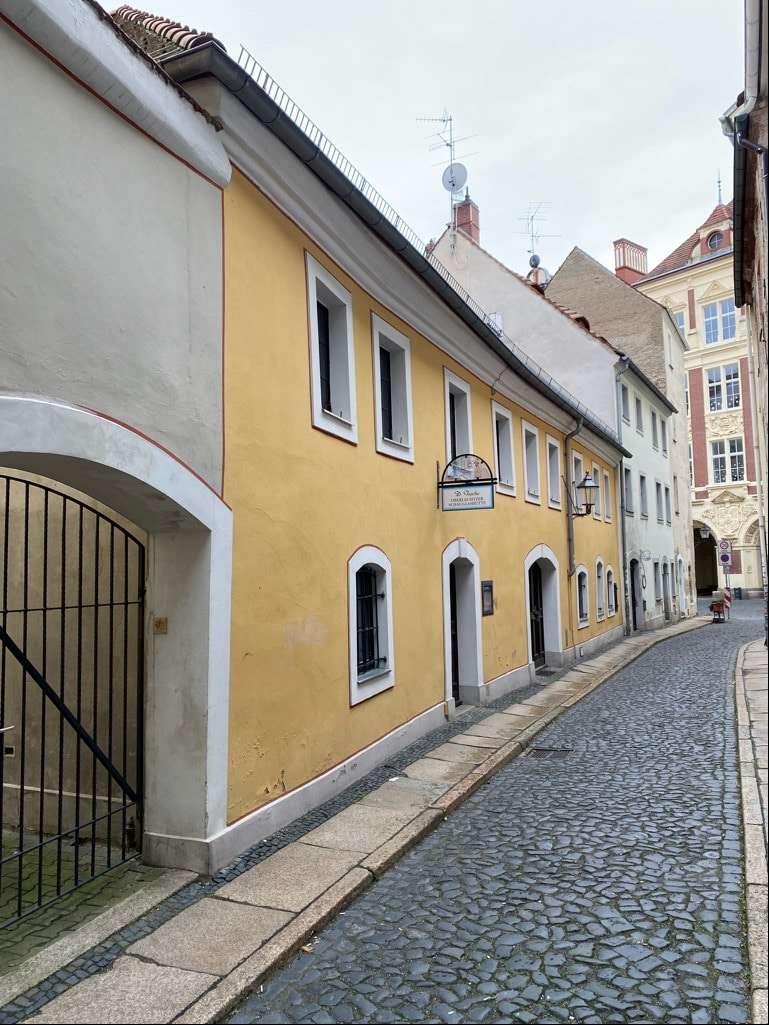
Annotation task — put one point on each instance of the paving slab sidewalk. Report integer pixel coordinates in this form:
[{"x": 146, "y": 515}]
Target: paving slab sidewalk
[
  {"x": 750, "y": 679},
  {"x": 202, "y": 961}
]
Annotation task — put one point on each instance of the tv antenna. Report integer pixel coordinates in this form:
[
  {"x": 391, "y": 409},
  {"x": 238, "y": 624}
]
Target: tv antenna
[
  {"x": 454, "y": 176},
  {"x": 533, "y": 219}
]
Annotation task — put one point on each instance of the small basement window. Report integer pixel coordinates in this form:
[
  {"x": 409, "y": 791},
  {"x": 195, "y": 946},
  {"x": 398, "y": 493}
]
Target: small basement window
[
  {"x": 392, "y": 391},
  {"x": 332, "y": 356}
]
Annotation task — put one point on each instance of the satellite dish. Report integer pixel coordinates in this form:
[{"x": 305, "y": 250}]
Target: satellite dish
[{"x": 454, "y": 177}]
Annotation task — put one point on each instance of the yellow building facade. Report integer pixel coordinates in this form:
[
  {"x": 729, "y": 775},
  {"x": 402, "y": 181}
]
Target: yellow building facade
[{"x": 305, "y": 501}]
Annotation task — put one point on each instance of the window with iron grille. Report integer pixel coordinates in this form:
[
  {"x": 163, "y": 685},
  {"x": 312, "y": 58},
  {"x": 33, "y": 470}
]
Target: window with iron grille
[
  {"x": 583, "y": 608},
  {"x": 370, "y": 623},
  {"x": 368, "y": 599}
]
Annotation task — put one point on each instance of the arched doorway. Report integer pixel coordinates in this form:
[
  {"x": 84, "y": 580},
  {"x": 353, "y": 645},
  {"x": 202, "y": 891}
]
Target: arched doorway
[
  {"x": 705, "y": 562},
  {"x": 543, "y": 607},
  {"x": 187, "y": 575},
  {"x": 463, "y": 656}
]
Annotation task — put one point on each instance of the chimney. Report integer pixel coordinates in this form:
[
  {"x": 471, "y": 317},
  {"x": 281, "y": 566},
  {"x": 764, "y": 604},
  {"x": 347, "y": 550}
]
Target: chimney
[
  {"x": 629, "y": 260},
  {"x": 467, "y": 218}
]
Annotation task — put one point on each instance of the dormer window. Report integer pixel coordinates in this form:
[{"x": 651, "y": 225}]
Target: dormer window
[{"x": 715, "y": 241}]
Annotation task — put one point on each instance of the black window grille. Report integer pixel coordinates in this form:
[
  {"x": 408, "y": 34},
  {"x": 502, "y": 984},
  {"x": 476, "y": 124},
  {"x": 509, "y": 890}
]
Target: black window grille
[
  {"x": 368, "y": 598},
  {"x": 324, "y": 356},
  {"x": 385, "y": 380}
]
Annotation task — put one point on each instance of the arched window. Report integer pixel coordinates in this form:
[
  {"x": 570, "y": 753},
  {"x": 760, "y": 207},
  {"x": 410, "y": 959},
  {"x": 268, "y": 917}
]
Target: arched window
[
  {"x": 583, "y": 599},
  {"x": 599, "y": 595},
  {"x": 611, "y": 592},
  {"x": 369, "y": 579}
]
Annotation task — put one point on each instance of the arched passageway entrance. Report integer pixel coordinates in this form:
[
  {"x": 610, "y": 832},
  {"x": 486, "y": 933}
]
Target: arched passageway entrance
[{"x": 705, "y": 564}]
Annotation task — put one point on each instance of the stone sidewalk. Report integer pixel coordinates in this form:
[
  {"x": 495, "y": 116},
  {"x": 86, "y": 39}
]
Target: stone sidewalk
[
  {"x": 201, "y": 960},
  {"x": 751, "y": 698}
]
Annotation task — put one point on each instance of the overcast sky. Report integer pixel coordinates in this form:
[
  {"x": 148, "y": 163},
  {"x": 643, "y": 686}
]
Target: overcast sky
[{"x": 607, "y": 111}]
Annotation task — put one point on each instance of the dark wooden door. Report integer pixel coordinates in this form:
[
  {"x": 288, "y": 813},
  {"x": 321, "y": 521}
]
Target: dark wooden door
[
  {"x": 537, "y": 615},
  {"x": 634, "y": 592},
  {"x": 454, "y": 633}
]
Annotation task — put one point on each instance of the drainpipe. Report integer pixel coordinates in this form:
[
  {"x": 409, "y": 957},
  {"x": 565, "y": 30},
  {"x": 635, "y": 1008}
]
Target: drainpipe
[{"x": 619, "y": 369}]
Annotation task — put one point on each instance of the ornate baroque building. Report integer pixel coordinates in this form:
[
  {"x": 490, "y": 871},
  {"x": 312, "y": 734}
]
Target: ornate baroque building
[{"x": 696, "y": 283}]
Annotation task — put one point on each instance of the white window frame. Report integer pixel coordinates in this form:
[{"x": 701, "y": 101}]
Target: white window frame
[
  {"x": 682, "y": 325},
  {"x": 576, "y": 478},
  {"x": 676, "y": 497},
  {"x": 504, "y": 486},
  {"x": 659, "y": 504},
  {"x": 643, "y": 496},
  {"x": 597, "y": 507},
  {"x": 664, "y": 435},
  {"x": 456, "y": 384},
  {"x": 719, "y": 455},
  {"x": 581, "y": 571},
  {"x": 533, "y": 495},
  {"x": 553, "y": 444},
  {"x": 727, "y": 382},
  {"x": 657, "y": 572},
  {"x": 625, "y": 403},
  {"x": 600, "y": 584},
  {"x": 611, "y": 605},
  {"x": 655, "y": 431},
  {"x": 384, "y": 335},
  {"x": 639, "y": 414},
  {"x": 608, "y": 505},
  {"x": 367, "y": 686},
  {"x": 741, "y": 454},
  {"x": 627, "y": 486},
  {"x": 668, "y": 510},
  {"x": 345, "y": 427}
]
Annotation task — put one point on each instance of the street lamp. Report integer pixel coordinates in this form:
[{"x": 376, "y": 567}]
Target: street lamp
[{"x": 586, "y": 494}]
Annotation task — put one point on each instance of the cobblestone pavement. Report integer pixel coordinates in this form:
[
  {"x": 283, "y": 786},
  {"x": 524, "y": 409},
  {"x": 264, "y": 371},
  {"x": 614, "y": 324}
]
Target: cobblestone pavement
[{"x": 597, "y": 879}]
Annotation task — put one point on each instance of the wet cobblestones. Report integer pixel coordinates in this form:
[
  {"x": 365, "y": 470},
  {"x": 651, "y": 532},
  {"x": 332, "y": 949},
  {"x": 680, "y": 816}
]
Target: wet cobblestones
[{"x": 602, "y": 883}]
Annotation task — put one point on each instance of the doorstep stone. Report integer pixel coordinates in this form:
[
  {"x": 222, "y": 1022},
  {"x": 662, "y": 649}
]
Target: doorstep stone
[
  {"x": 360, "y": 828},
  {"x": 211, "y": 936},
  {"x": 433, "y": 770},
  {"x": 290, "y": 879},
  {"x": 132, "y": 991},
  {"x": 453, "y": 752}
]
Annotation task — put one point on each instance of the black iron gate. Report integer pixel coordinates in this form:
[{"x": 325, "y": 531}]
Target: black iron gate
[{"x": 71, "y": 694}]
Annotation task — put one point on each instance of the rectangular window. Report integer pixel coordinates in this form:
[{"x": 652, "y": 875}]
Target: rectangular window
[
  {"x": 643, "y": 493},
  {"x": 732, "y": 382},
  {"x": 392, "y": 391},
  {"x": 676, "y": 504},
  {"x": 639, "y": 415},
  {"x": 553, "y": 473},
  {"x": 503, "y": 449},
  {"x": 655, "y": 437},
  {"x": 658, "y": 496},
  {"x": 668, "y": 517},
  {"x": 657, "y": 582},
  {"x": 607, "y": 505},
  {"x": 625, "y": 403},
  {"x": 628, "y": 492},
  {"x": 367, "y": 597},
  {"x": 718, "y": 456},
  {"x": 715, "y": 395},
  {"x": 664, "y": 432},
  {"x": 710, "y": 312},
  {"x": 531, "y": 461},
  {"x": 680, "y": 318},
  {"x": 728, "y": 319},
  {"x": 332, "y": 359},
  {"x": 691, "y": 468},
  {"x": 736, "y": 459},
  {"x": 596, "y": 475},
  {"x": 459, "y": 435}
]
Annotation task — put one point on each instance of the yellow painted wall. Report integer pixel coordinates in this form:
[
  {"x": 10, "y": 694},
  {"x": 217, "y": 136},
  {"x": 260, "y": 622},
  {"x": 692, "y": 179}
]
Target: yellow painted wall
[{"x": 304, "y": 501}]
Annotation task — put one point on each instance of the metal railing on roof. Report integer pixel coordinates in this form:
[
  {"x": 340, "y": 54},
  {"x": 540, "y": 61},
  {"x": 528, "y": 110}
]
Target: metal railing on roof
[{"x": 304, "y": 122}]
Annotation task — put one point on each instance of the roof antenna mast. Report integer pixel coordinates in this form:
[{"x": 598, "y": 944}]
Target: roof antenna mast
[
  {"x": 720, "y": 200},
  {"x": 455, "y": 174}
]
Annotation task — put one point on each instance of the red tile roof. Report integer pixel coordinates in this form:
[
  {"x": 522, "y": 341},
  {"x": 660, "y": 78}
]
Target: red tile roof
[
  {"x": 166, "y": 30},
  {"x": 682, "y": 253}
]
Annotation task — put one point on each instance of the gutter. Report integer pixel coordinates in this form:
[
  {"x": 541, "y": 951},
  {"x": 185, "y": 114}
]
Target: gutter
[{"x": 210, "y": 59}]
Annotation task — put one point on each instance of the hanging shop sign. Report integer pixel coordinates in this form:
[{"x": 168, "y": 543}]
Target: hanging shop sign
[{"x": 466, "y": 483}]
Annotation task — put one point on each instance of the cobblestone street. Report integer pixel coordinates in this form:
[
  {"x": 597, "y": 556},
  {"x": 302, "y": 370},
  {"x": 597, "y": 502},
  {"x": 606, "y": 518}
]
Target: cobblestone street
[{"x": 596, "y": 879}]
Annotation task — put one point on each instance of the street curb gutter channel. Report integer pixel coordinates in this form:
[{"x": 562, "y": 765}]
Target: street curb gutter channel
[
  {"x": 226, "y": 994},
  {"x": 754, "y": 839}
]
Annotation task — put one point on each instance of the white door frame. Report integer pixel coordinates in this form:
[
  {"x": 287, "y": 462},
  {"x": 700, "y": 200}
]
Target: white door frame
[
  {"x": 461, "y": 548},
  {"x": 551, "y": 600}
]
